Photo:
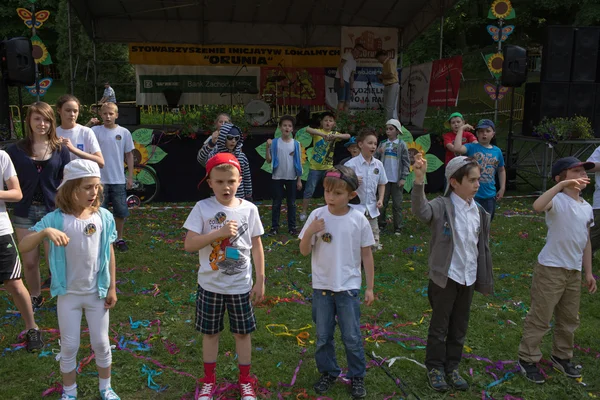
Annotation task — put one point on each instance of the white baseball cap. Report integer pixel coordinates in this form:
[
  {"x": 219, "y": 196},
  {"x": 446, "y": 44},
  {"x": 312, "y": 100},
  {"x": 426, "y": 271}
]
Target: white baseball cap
[
  {"x": 454, "y": 165},
  {"x": 80, "y": 169},
  {"x": 395, "y": 123}
]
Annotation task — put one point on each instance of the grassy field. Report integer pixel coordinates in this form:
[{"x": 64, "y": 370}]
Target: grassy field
[{"x": 158, "y": 352}]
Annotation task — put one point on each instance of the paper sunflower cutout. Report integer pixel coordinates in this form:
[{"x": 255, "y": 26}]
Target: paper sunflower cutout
[
  {"x": 494, "y": 63},
  {"x": 145, "y": 153},
  {"x": 421, "y": 145},
  {"x": 40, "y": 52},
  {"x": 501, "y": 9},
  {"x": 304, "y": 139}
]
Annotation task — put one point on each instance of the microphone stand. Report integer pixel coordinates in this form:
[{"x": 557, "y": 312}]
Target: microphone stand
[
  {"x": 369, "y": 88},
  {"x": 231, "y": 87}
]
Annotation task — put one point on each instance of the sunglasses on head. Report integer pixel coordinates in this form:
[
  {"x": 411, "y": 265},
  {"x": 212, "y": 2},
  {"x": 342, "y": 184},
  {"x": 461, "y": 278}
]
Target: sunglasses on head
[{"x": 236, "y": 138}]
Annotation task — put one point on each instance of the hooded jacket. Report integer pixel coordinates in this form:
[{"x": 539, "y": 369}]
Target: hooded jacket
[{"x": 208, "y": 150}]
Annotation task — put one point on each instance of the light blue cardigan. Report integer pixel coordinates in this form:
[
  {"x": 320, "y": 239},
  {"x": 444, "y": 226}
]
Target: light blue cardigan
[
  {"x": 297, "y": 162},
  {"x": 57, "y": 257}
]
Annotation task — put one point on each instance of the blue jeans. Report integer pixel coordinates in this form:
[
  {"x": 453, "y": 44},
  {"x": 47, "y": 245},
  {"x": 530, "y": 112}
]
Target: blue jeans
[
  {"x": 326, "y": 305},
  {"x": 488, "y": 205},
  {"x": 314, "y": 178},
  {"x": 290, "y": 193},
  {"x": 117, "y": 195},
  {"x": 343, "y": 93}
]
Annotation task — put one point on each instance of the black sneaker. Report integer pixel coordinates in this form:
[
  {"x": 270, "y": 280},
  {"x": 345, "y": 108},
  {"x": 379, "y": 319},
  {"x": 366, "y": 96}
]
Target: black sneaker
[
  {"x": 358, "y": 388},
  {"x": 437, "y": 381},
  {"x": 531, "y": 372},
  {"x": 565, "y": 367},
  {"x": 273, "y": 232},
  {"x": 457, "y": 381},
  {"x": 293, "y": 232},
  {"x": 34, "y": 340},
  {"x": 324, "y": 383},
  {"x": 37, "y": 302},
  {"x": 47, "y": 283},
  {"x": 121, "y": 245}
]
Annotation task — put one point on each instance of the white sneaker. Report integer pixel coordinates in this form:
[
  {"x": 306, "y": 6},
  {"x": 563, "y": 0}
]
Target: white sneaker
[
  {"x": 247, "y": 391},
  {"x": 206, "y": 391},
  {"x": 302, "y": 217}
]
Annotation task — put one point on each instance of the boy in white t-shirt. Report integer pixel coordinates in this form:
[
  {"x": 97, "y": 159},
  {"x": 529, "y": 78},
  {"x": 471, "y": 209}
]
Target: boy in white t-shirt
[
  {"x": 343, "y": 83},
  {"x": 116, "y": 145},
  {"x": 285, "y": 154},
  {"x": 80, "y": 140},
  {"x": 339, "y": 238},
  {"x": 556, "y": 286},
  {"x": 226, "y": 232},
  {"x": 595, "y": 231},
  {"x": 11, "y": 268}
]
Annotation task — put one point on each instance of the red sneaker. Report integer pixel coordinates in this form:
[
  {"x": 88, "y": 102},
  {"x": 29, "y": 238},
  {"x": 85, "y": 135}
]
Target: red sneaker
[
  {"x": 247, "y": 389},
  {"x": 207, "y": 390}
]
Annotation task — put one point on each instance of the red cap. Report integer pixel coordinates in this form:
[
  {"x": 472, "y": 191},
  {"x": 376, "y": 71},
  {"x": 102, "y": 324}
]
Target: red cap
[{"x": 222, "y": 158}]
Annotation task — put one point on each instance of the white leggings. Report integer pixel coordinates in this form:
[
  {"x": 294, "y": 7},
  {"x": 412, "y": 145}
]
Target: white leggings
[{"x": 70, "y": 308}]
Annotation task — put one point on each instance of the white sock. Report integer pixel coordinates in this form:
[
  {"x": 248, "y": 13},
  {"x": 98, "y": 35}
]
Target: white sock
[
  {"x": 71, "y": 390},
  {"x": 104, "y": 383}
]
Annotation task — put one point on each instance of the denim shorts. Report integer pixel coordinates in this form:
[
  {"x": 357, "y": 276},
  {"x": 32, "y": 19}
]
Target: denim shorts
[
  {"x": 314, "y": 178},
  {"x": 343, "y": 93},
  {"x": 35, "y": 214},
  {"x": 117, "y": 195}
]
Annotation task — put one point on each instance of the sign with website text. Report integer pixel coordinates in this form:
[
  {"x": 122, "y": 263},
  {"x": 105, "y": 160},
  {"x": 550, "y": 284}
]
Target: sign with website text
[{"x": 227, "y": 55}]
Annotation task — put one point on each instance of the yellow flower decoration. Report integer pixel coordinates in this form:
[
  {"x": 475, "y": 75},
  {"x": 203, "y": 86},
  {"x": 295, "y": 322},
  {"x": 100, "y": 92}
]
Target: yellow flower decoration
[
  {"x": 40, "y": 52},
  {"x": 494, "y": 63},
  {"x": 501, "y": 9},
  {"x": 140, "y": 154},
  {"x": 413, "y": 149}
]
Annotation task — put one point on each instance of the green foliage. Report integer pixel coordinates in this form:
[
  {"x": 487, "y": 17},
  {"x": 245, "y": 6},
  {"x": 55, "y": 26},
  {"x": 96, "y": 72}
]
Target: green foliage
[
  {"x": 354, "y": 122},
  {"x": 557, "y": 129},
  {"x": 435, "y": 123}
]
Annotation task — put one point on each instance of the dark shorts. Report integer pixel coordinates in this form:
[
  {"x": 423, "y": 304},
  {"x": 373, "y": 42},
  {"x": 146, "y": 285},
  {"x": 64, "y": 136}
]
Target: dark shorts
[
  {"x": 210, "y": 312},
  {"x": 117, "y": 195},
  {"x": 35, "y": 214},
  {"x": 10, "y": 263},
  {"x": 343, "y": 93}
]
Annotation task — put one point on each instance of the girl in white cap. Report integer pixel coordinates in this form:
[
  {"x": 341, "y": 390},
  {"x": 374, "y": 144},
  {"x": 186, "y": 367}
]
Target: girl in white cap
[{"x": 82, "y": 262}]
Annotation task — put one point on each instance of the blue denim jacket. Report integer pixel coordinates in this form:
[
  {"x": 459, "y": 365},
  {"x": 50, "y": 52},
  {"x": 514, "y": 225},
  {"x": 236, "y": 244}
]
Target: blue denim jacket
[{"x": 57, "y": 258}]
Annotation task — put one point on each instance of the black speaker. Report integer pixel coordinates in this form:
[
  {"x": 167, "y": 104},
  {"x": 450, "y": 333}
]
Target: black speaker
[
  {"x": 585, "y": 54},
  {"x": 557, "y": 54},
  {"x": 582, "y": 99},
  {"x": 514, "y": 66},
  {"x": 18, "y": 62},
  {"x": 545, "y": 99},
  {"x": 129, "y": 114},
  {"x": 596, "y": 120},
  {"x": 172, "y": 96}
]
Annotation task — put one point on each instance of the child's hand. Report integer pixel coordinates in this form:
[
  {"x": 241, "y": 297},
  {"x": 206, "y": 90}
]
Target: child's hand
[
  {"x": 257, "y": 294},
  {"x": 299, "y": 185},
  {"x": 379, "y": 203},
  {"x": 420, "y": 166},
  {"x": 214, "y": 137},
  {"x": 67, "y": 142},
  {"x": 93, "y": 122},
  {"x": 57, "y": 237},
  {"x": 369, "y": 297},
  {"x": 318, "y": 225},
  {"x": 229, "y": 229},
  {"x": 269, "y": 141},
  {"x": 500, "y": 194},
  {"x": 359, "y": 180},
  {"x": 401, "y": 183},
  {"x": 590, "y": 282},
  {"x": 466, "y": 127},
  {"x": 111, "y": 298},
  {"x": 577, "y": 184}
]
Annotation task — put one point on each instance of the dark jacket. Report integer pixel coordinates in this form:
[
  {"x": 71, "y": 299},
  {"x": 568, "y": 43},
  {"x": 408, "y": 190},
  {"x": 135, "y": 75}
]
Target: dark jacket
[
  {"x": 439, "y": 215},
  {"x": 29, "y": 177}
]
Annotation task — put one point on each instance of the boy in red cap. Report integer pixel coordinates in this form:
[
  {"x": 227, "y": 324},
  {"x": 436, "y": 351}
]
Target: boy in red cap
[{"x": 226, "y": 232}]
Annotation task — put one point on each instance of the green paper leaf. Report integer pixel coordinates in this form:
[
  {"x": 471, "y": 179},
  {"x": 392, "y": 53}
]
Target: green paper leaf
[
  {"x": 156, "y": 154},
  {"x": 277, "y": 132},
  {"x": 142, "y": 136},
  {"x": 145, "y": 178},
  {"x": 490, "y": 15},
  {"x": 306, "y": 165},
  {"x": 433, "y": 163},
  {"x": 512, "y": 14},
  {"x": 262, "y": 150},
  {"x": 425, "y": 142},
  {"x": 304, "y": 137},
  {"x": 267, "y": 167},
  {"x": 47, "y": 61},
  {"x": 410, "y": 181},
  {"x": 407, "y": 137}
]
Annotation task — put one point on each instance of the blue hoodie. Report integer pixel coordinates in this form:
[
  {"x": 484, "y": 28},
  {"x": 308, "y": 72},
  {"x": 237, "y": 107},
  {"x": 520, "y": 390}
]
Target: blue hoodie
[{"x": 297, "y": 161}]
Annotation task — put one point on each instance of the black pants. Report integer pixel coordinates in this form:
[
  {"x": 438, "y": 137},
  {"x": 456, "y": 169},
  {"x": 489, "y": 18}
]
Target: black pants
[
  {"x": 448, "y": 327},
  {"x": 279, "y": 188}
]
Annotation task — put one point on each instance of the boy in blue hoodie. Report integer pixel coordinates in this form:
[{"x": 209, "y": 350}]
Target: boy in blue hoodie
[{"x": 284, "y": 152}]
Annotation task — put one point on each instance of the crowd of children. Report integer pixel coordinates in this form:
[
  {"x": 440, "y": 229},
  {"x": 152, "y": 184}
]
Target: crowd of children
[{"x": 75, "y": 173}]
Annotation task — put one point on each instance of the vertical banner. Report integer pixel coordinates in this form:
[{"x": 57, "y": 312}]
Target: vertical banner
[
  {"x": 415, "y": 93},
  {"x": 445, "y": 82},
  {"x": 293, "y": 86}
]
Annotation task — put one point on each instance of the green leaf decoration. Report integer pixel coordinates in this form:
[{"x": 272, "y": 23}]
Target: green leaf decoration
[
  {"x": 512, "y": 14},
  {"x": 306, "y": 165},
  {"x": 267, "y": 167},
  {"x": 277, "y": 132},
  {"x": 145, "y": 178},
  {"x": 410, "y": 181},
  {"x": 304, "y": 137},
  {"x": 425, "y": 142},
  {"x": 407, "y": 137},
  {"x": 156, "y": 154},
  {"x": 262, "y": 150},
  {"x": 433, "y": 163},
  {"x": 142, "y": 136}
]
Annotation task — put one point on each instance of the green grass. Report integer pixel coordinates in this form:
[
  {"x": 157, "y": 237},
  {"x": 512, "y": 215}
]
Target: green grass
[{"x": 156, "y": 257}]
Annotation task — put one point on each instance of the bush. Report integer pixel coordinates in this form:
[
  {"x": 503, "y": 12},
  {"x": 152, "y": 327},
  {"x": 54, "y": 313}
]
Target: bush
[{"x": 556, "y": 129}]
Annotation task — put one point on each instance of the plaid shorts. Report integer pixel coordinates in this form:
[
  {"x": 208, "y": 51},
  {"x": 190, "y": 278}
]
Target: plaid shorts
[{"x": 210, "y": 312}]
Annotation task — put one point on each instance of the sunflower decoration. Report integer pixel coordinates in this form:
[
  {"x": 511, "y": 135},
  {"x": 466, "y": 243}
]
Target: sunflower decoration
[
  {"x": 501, "y": 9},
  {"x": 304, "y": 139},
  {"x": 494, "y": 63},
  {"x": 420, "y": 145},
  {"x": 40, "y": 52},
  {"x": 145, "y": 153}
]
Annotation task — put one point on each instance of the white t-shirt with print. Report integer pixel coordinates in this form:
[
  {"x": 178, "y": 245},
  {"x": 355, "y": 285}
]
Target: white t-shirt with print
[
  {"x": 8, "y": 171},
  {"x": 285, "y": 154},
  {"x": 390, "y": 159},
  {"x": 595, "y": 158},
  {"x": 81, "y": 137},
  {"x": 114, "y": 143},
  {"x": 348, "y": 68},
  {"x": 336, "y": 252},
  {"x": 568, "y": 221},
  {"x": 82, "y": 253},
  {"x": 225, "y": 264}
]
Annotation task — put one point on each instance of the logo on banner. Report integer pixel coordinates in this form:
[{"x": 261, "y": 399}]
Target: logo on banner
[{"x": 148, "y": 84}]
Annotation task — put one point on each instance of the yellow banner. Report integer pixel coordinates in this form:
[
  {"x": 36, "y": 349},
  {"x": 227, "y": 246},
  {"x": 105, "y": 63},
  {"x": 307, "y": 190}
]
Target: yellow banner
[{"x": 224, "y": 55}]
